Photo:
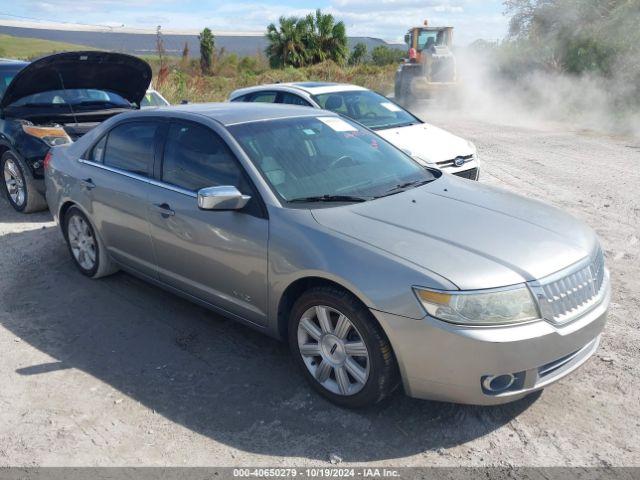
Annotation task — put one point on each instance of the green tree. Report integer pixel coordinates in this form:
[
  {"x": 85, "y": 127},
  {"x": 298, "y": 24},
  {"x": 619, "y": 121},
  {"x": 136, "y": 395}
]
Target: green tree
[
  {"x": 207, "y": 46},
  {"x": 358, "y": 54},
  {"x": 383, "y": 55},
  {"x": 288, "y": 43},
  {"x": 327, "y": 38}
]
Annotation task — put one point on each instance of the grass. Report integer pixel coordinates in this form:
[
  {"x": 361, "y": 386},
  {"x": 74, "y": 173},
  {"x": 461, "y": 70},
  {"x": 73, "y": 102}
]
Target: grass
[
  {"x": 185, "y": 82},
  {"x": 196, "y": 88},
  {"x": 29, "y": 48}
]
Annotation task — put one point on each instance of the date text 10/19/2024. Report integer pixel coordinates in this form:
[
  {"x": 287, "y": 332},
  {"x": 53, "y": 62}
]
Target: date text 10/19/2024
[{"x": 316, "y": 472}]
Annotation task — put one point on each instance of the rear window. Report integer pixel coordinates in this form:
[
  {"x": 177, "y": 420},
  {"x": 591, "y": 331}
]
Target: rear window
[
  {"x": 264, "y": 97},
  {"x": 293, "y": 99},
  {"x": 131, "y": 147}
]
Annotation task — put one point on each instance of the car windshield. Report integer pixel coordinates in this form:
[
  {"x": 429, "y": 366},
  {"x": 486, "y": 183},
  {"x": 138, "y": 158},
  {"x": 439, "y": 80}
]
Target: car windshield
[
  {"x": 368, "y": 108},
  {"x": 75, "y": 97},
  {"x": 327, "y": 159}
]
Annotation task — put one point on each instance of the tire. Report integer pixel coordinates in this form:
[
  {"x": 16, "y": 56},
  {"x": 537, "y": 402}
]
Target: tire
[
  {"x": 19, "y": 186},
  {"x": 405, "y": 89},
  {"x": 332, "y": 358},
  {"x": 85, "y": 246}
]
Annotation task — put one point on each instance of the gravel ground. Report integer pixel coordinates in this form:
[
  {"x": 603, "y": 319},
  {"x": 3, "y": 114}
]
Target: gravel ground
[{"x": 117, "y": 372}]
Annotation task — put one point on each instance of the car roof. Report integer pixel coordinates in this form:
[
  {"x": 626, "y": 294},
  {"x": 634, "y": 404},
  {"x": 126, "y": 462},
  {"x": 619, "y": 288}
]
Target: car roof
[
  {"x": 234, "y": 113},
  {"x": 312, "y": 88}
]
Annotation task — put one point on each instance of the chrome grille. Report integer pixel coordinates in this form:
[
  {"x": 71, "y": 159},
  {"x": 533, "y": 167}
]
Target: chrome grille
[
  {"x": 452, "y": 162},
  {"x": 565, "y": 298}
]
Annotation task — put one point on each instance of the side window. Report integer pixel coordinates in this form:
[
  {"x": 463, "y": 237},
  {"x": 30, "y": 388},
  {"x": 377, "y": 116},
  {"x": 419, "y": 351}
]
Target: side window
[
  {"x": 264, "y": 97},
  {"x": 195, "y": 157},
  {"x": 334, "y": 102},
  {"x": 96, "y": 154},
  {"x": 293, "y": 99},
  {"x": 241, "y": 98},
  {"x": 131, "y": 146}
]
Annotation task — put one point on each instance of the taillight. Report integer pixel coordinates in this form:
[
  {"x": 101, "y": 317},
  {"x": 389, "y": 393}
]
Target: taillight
[{"x": 47, "y": 160}]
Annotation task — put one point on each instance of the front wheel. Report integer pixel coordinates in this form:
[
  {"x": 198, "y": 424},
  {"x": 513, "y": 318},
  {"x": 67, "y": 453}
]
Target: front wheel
[
  {"x": 341, "y": 349},
  {"x": 19, "y": 185}
]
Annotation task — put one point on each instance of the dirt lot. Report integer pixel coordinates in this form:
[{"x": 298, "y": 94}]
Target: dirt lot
[{"x": 117, "y": 372}]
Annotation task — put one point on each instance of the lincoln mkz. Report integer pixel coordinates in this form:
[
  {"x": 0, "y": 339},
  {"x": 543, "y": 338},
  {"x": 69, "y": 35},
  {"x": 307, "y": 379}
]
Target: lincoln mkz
[{"x": 379, "y": 272}]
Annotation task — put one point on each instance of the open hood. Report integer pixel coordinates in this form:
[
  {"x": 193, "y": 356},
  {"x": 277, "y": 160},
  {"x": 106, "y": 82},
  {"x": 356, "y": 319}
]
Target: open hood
[{"x": 125, "y": 75}]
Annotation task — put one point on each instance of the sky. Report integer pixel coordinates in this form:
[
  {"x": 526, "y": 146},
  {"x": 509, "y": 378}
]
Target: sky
[{"x": 386, "y": 19}]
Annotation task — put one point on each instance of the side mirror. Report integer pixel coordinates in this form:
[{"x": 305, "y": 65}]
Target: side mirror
[
  {"x": 221, "y": 198},
  {"x": 184, "y": 101}
]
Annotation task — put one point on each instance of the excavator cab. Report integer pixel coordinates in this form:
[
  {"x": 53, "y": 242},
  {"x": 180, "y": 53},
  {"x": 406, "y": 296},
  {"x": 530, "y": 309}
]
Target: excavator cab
[
  {"x": 430, "y": 66},
  {"x": 426, "y": 38}
]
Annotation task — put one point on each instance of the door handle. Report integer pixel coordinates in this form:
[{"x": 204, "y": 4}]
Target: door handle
[
  {"x": 88, "y": 184},
  {"x": 164, "y": 210}
]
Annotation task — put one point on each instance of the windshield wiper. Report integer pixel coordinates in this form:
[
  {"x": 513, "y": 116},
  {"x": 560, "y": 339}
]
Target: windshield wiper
[
  {"x": 329, "y": 198},
  {"x": 391, "y": 125},
  {"x": 403, "y": 187}
]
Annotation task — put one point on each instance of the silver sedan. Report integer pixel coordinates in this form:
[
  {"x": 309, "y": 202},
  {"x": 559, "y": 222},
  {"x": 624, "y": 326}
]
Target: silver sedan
[{"x": 302, "y": 224}]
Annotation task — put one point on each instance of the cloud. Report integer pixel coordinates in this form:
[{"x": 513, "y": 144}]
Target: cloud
[{"x": 387, "y": 19}]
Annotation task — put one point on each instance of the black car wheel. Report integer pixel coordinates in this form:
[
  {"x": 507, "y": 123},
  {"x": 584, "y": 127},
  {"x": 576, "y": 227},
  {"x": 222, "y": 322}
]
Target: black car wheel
[
  {"x": 341, "y": 349},
  {"x": 19, "y": 185}
]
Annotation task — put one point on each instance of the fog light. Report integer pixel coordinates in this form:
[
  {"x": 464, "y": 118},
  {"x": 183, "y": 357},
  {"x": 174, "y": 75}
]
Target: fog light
[{"x": 498, "y": 383}]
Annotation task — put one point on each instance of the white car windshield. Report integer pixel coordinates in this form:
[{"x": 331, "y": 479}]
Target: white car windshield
[
  {"x": 327, "y": 159},
  {"x": 368, "y": 108}
]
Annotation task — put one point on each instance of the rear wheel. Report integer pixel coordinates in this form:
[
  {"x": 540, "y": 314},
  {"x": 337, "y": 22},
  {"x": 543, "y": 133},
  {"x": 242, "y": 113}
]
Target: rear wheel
[
  {"x": 85, "y": 246},
  {"x": 341, "y": 349},
  {"x": 19, "y": 185}
]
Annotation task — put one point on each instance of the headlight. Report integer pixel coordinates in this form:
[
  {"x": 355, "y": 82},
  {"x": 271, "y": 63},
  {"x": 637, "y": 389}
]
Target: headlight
[
  {"x": 492, "y": 307},
  {"x": 52, "y": 136}
]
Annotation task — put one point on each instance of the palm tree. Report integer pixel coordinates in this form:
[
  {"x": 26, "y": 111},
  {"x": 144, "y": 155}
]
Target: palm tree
[
  {"x": 287, "y": 43},
  {"x": 327, "y": 39}
]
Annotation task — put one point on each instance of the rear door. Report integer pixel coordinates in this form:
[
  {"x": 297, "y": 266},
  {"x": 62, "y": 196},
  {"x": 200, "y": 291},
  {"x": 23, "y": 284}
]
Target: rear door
[
  {"x": 292, "y": 99},
  {"x": 119, "y": 168},
  {"x": 217, "y": 256}
]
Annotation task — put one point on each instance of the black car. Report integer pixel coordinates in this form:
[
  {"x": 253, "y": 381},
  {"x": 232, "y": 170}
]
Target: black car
[{"x": 53, "y": 101}]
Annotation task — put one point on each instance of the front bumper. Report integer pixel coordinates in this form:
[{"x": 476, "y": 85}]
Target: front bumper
[
  {"x": 470, "y": 170},
  {"x": 446, "y": 362}
]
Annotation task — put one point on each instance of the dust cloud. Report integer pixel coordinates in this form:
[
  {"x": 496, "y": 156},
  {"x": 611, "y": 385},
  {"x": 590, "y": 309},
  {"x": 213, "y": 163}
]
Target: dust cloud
[{"x": 542, "y": 99}]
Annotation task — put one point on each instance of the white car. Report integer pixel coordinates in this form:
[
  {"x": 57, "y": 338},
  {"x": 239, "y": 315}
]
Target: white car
[
  {"x": 153, "y": 99},
  {"x": 426, "y": 143}
]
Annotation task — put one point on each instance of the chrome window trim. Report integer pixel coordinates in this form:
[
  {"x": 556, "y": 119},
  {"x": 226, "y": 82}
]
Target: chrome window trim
[{"x": 140, "y": 178}]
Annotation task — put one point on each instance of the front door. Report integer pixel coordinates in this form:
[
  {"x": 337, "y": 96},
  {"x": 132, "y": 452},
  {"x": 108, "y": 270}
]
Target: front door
[{"x": 217, "y": 256}]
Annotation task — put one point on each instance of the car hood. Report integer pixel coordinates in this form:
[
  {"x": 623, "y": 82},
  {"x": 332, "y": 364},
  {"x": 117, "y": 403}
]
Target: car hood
[
  {"x": 125, "y": 75},
  {"x": 427, "y": 143},
  {"x": 474, "y": 235}
]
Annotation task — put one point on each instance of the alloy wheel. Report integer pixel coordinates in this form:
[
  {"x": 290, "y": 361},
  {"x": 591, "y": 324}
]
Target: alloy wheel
[
  {"x": 14, "y": 183},
  {"x": 333, "y": 350},
  {"x": 82, "y": 242}
]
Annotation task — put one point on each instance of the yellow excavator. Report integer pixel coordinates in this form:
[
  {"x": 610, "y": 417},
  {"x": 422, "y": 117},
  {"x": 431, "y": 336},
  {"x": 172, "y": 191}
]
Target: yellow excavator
[{"x": 430, "y": 67}]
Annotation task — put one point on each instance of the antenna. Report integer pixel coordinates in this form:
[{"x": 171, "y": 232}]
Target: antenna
[{"x": 75, "y": 118}]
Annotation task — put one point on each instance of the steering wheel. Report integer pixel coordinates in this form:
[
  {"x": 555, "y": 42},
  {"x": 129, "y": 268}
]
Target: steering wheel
[
  {"x": 370, "y": 115},
  {"x": 343, "y": 159}
]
